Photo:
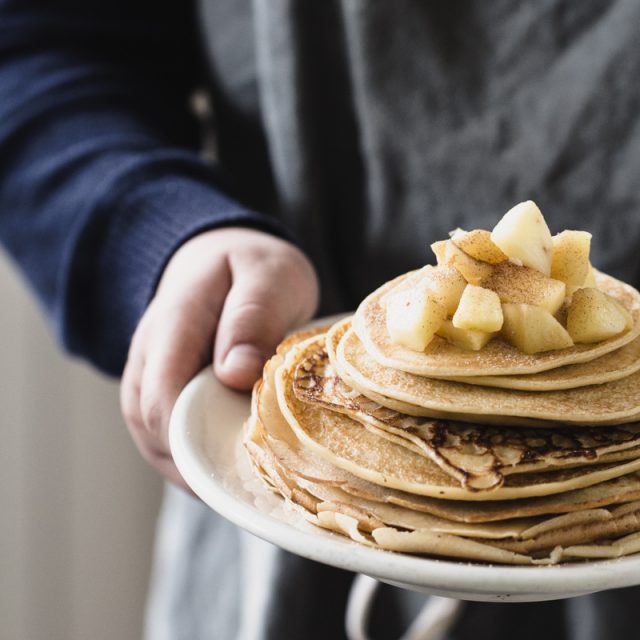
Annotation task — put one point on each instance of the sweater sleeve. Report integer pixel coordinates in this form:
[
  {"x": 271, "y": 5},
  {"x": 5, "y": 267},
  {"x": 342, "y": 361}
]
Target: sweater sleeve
[{"x": 100, "y": 180}]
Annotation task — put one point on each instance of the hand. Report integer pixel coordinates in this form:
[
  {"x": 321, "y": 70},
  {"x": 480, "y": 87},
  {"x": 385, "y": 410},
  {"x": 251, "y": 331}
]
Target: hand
[{"x": 227, "y": 296}]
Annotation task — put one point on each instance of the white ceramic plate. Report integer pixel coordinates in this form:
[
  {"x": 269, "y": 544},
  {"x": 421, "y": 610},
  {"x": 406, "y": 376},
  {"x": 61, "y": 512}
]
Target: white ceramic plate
[{"x": 205, "y": 433}]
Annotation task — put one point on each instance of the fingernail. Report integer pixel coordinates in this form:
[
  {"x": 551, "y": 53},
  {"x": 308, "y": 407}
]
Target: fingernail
[{"x": 244, "y": 358}]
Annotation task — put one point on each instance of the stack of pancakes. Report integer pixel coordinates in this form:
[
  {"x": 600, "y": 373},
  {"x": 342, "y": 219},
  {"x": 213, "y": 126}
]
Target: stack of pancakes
[{"x": 490, "y": 455}]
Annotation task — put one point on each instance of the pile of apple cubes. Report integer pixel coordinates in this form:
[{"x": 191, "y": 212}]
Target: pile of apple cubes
[{"x": 517, "y": 282}]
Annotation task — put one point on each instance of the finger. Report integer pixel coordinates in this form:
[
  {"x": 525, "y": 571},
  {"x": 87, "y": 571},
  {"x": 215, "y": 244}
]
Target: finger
[
  {"x": 180, "y": 344},
  {"x": 257, "y": 313},
  {"x": 131, "y": 379},
  {"x": 180, "y": 338},
  {"x": 130, "y": 406}
]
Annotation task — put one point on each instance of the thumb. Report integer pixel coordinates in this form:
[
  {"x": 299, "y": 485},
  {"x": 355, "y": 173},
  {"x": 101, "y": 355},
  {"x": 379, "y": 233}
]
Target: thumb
[
  {"x": 257, "y": 314},
  {"x": 242, "y": 365}
]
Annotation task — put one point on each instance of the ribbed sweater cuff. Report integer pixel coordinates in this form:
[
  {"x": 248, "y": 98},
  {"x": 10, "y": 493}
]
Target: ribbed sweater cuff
[{"x": 147, "y": 227}]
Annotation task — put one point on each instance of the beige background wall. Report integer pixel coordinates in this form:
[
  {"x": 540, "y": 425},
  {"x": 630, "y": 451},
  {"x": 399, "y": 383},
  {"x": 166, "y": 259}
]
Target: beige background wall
[{"x": 77, "y": 504}]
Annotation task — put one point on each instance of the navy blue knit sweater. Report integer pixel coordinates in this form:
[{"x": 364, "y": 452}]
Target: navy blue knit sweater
[{"x": 100, "y": 179}]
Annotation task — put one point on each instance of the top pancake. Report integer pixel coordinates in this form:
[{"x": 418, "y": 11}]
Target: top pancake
[{"x": 498, "y": 358}]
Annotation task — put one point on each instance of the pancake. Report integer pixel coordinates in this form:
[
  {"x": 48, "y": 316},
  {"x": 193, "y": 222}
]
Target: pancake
[
  {"x": 497, "y": 358},
  {"x": 578, "y": 528},
  {"x": 612, "y": 366},
  {"x": 616, "y": 491},
  {"x": 610, "y": 403},
  {"x": 476, "y": 455},
  {"x": 343, "y": 442},
  {"x": 427, "y": 542},
  {"x": 607, "y": 549}
]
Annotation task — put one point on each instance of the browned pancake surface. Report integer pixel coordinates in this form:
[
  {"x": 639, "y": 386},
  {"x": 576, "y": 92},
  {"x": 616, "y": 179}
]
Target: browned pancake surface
[
  {"x": 344, "y": 442},
  {"x": 478, "y": 456},
  {"x": 616, "y": 402}
]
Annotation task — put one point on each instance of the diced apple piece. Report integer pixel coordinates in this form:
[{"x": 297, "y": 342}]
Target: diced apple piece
[
  {"x": 414, "y": 316},
  {"x": 594, "y": 316},
  {"x": 561, "y": 314},
  {"x": 439, "y": 249},
  {"x": 478, "y": 245},
  {"x": 479, "y": 310},
  {"x": 446, "y": 284},
  {"x": 570, "y": 257},
  {"x": 533, "y": 329},
  {"x": 472, "y": 270},
  {"x": 411, "y": 280},
  {"x": 524, "y": 285},
  {"x": 590, "y": 280},
  {"x": 464, "y": 338},
  {"x": 628, "y": 325},
  {"x": 572, "y": 289},
  {"x": 522, "y": 234}
]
